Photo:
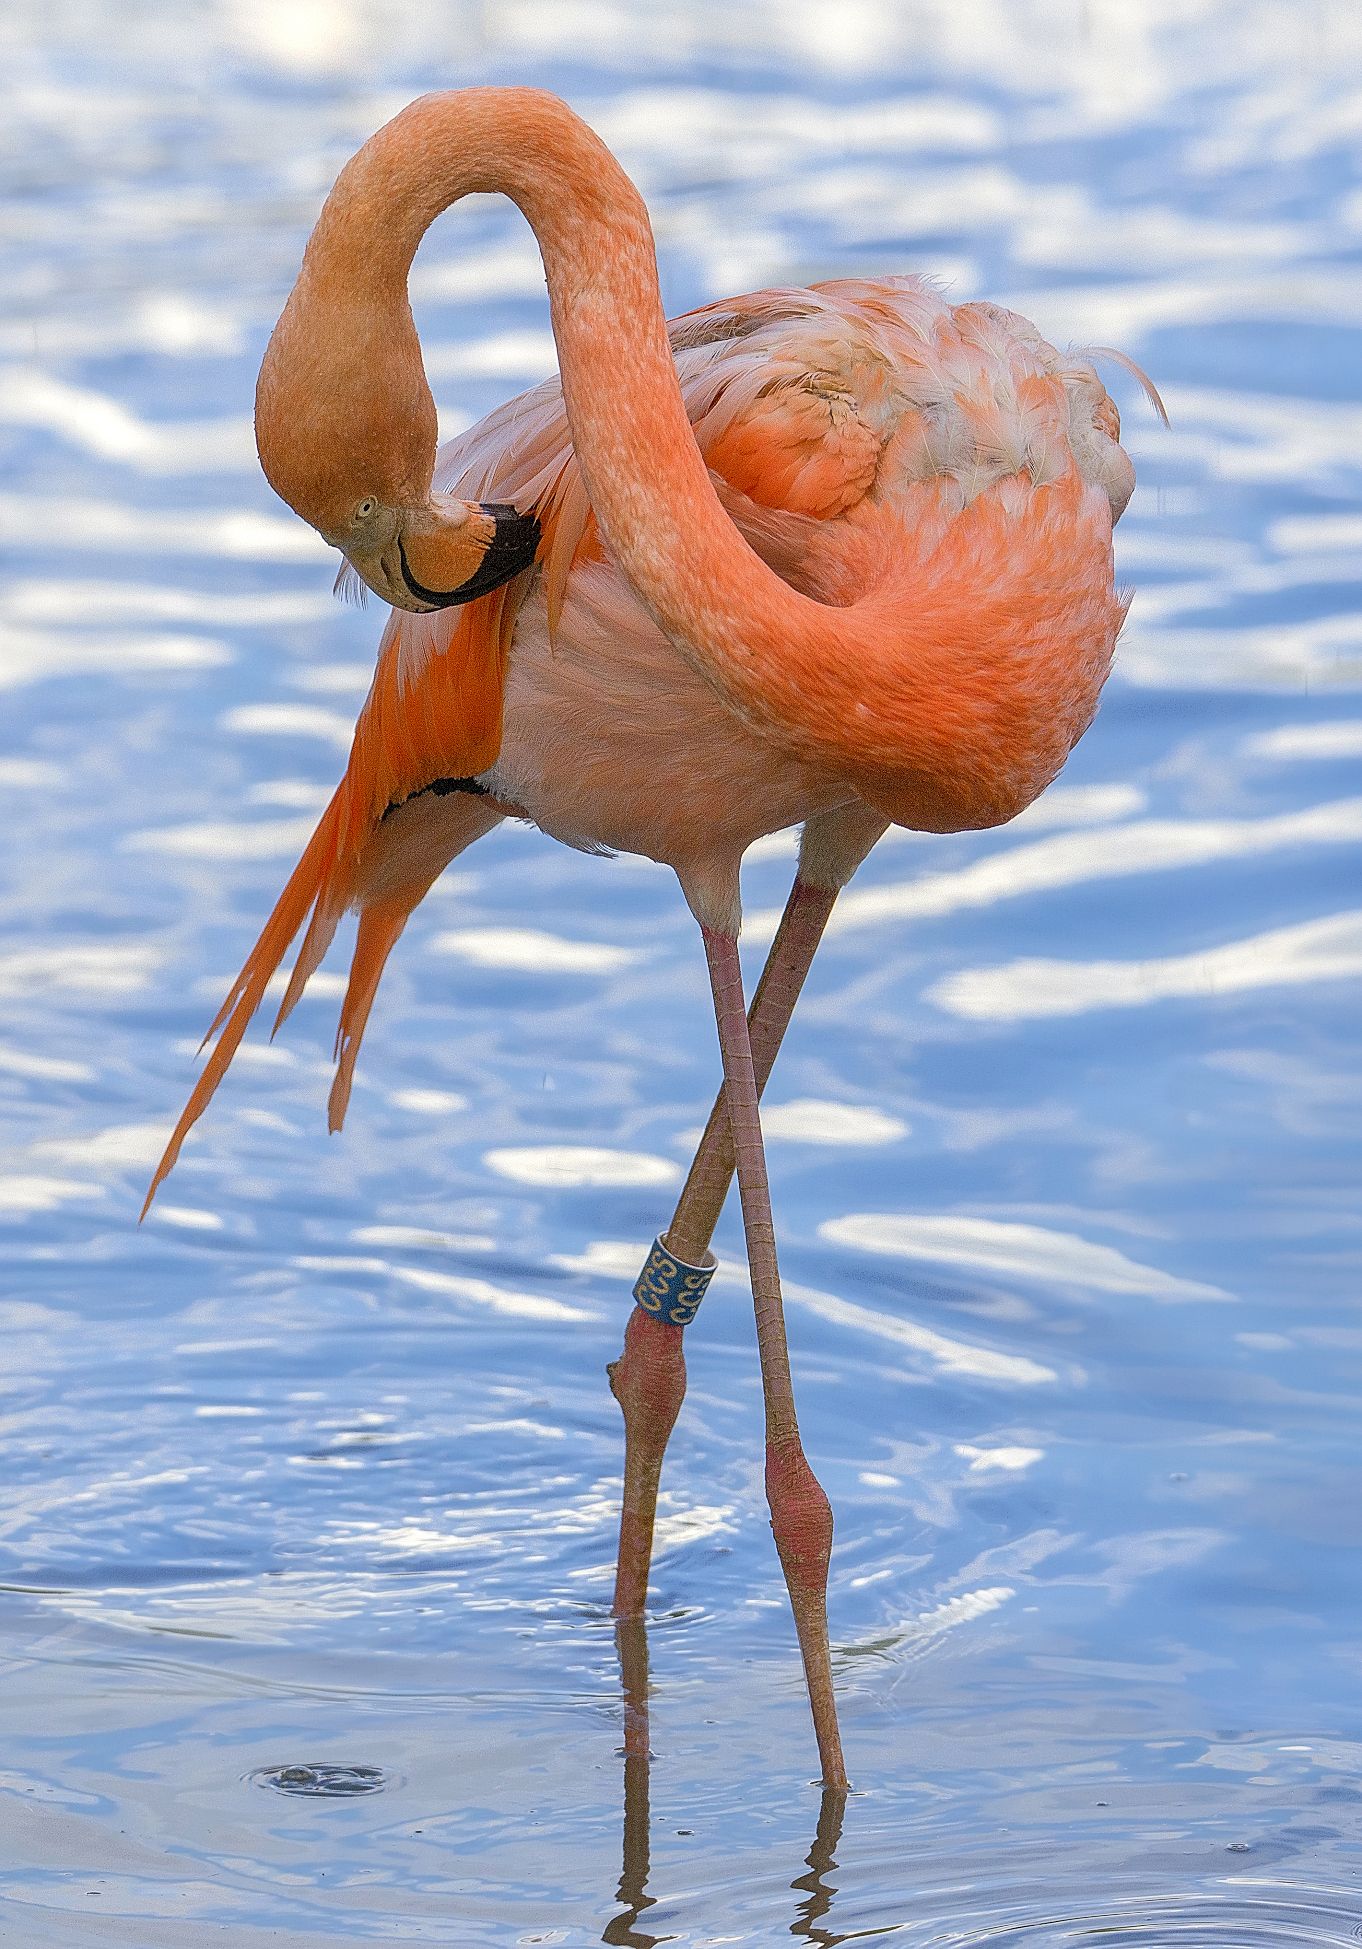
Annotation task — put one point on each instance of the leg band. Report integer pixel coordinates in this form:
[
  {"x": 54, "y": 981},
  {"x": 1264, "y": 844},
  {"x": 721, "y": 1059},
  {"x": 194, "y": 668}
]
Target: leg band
[{"x": 671, "y": 1290}]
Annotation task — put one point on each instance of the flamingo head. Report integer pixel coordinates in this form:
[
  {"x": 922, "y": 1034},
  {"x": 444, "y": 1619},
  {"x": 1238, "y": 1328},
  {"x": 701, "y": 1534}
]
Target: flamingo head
[
  {"x": 346, "y": 431},
  {"x": 433, "y": 554}
]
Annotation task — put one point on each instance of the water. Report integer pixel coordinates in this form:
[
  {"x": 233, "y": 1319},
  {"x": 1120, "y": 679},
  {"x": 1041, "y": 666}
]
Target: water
[{"x": 310, "y": 1483}]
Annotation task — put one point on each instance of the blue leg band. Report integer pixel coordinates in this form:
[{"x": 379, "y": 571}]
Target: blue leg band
[{"x": 670, "y": 1289}]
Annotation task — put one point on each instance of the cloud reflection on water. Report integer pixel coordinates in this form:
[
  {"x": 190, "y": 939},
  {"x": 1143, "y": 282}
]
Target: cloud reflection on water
[
  {"x": 1020, "y": 1251},
  {"x": 1110, "y": 852},
  {"x": 1329, "y": 949}
]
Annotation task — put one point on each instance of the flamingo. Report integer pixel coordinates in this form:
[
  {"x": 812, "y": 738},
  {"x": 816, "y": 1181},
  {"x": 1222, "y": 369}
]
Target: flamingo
[{"x": 838, "y": 557}]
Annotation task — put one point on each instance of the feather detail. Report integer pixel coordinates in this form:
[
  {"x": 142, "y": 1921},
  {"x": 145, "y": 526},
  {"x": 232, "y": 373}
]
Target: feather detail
[
  {"x": 380, "y": 925},
  {"x": 248, "y": 990},
  {"x": 1137, "y": 373},
  {"x": 321, "y": 931}
]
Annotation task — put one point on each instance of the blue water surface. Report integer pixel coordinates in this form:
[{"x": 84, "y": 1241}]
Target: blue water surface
[{"x": 317, "y": 1471}]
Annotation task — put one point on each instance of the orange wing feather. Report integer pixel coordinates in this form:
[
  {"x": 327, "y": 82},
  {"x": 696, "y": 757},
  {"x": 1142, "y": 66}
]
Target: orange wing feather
[{"x": 447, "y": 726}]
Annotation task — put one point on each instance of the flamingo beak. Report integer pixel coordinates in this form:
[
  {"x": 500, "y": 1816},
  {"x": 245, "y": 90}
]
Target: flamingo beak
[{"x": 443, "y": 556}]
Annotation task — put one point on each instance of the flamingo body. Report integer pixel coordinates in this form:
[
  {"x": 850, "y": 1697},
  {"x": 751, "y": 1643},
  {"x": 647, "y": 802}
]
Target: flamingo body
[
  {"x": 848, "y": 428},
  {"x": 835, "y": 556}
]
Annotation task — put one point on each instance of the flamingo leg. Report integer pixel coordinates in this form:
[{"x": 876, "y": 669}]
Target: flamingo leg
[
  {"x": 649, "y": 1378},
  {"x": 806, "y": 914},
  {"x": 649, "y": 1382},
  {"x": 801, "y": 1517}
]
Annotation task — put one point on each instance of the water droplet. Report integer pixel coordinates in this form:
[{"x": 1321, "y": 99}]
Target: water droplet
[{"x": 326, "y": 1780}]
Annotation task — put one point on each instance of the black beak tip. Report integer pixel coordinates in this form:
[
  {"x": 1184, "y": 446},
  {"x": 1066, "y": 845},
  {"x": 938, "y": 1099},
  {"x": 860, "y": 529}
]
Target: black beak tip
[{"x": 511, "y": 549}]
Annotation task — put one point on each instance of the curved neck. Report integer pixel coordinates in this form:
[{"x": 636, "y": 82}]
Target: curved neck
[
  {"x": 889, "y": 692},
  {"x": 644, "y": 473}
]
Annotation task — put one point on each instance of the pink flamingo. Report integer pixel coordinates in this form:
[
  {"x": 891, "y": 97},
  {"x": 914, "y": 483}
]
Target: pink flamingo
[{"x": 838, "y": 556}]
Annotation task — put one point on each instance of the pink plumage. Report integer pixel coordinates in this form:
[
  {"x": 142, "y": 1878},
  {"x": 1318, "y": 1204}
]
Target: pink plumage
[{"x": 831, "y": 556}]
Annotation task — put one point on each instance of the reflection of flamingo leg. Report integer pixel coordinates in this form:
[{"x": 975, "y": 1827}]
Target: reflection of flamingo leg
[
  {"x": 649, "y": 1379},
  {"x": 621, "y": 1932},
  {"x": 631, "y": 1642},
  {"x": 821, "y": 1858}
]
